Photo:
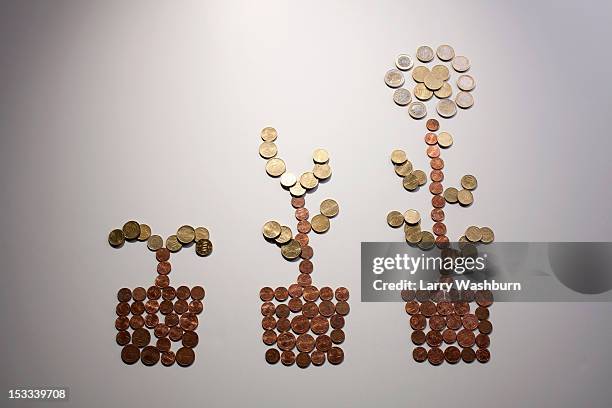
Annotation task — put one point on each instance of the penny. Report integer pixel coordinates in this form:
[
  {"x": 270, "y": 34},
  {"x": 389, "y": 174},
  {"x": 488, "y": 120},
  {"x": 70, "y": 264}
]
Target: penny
[
  {"x": 317, "y": 357},
  {"x": 155, "y": 242},
  {"x": 466, "y": 338},
  {"x": 319, "y": 325},
  {"x": 337, "y": 321},
  {"x": 433, "y": 151},
  {"x": 130, "y": 354},
  {"x": 482, "y": 340},
  {"x": 302, "y": 360},
  {"x": 446, "y": 108},
  {"x": 433, "y": 338},
  {"x": 466, "y": 83},
  {"x": 452, "y": 354},
  {"x": 465, "y": 197},
  {"x": 487, "y": 235},
  {"x": 275, "y": 167},
  {"x": 201, "y": 233},
  {"x": 469, "y": 321},
  {"x": 417, "y": 110},
  {"x": 436, "y": 188},
  {"x": 131, "y": 230},
  {"x": 122, "y": 309},
  {"x": 301, "y": 214},
  {"x": 281, "y": 293},
  {"x": 136, "y": 322},
  {"x": 116, "y": 238},
  {"x": 402, "y": 96},
  {"x": 283, "y": 325},
  {"x": 408, "y": 295},
  {"x": 436, "y": 175},
  {"x": 196, "y": 307},
  {"x": 287, "y": 358},
  {"x": 163, "y": 344},
  {"x": 453, "y": 321},
  {"x": 404, "y": 62},
  {"x": 484, "y": 298},
  {"x": 123, "y": 338},
  {"x": 173, "y": 244},
  {"x": 266, "y": 294},
  {"x": 304, "y": 279},
  {"x": 307, "y": 252},
  {"x": 161, "y": 330},
  {"x": 124, "y": 295},
  {"x": 186, "y": 356},
  {"x": 326, "y": 293},
  {"x": 431, "y": 138},
  {"x": 445, "y": 52},
  {"x": 412, "y": 307},
  {"x": 300, "y": 324},
  {"x": 162, "y": 254},
  {"x": 433, "y": 82},
  {"x": 203, "y": 247},
  {"x": 306, "y": 266},
  {"x": 337, "y": 336},
  {"x": 428, "y": 308},
  {"x": 460, "y": 63},
  {"x": 437, "y": 201},
  {"x": 166, "y": 307},
  {"x": 342, "y": 294},
  {"x": 304, "y": 227},
  {"x": 445, "y": 92},
  {"x": 468, "y": 355},
  {"x": 149, "y": 356},
  {"x": 323, "y": 343},
  {"x": 305, "y": 342},
  {"x": 181, "y": 306},
  {"x": 297, "y": 202},
  {"x": 435, "y": 356},
  {"x": 310, "y": 309},
  {"x": 464, "y": 100},
  {"x": 424, "y": 53},
  {"x": 268, "y": 134},
  {"x": 320, "y": 223},
  {"x": 139, "y": 294},
  {"x": 189, "y": 321},
  {"x": 285, "y": 341},
  {"x": 482, "y": 313},
  {"x": 461, "y": 308},
  {"x": 190, "y": 339},
  {"x": 268, "y": 308},
  {"x": 162, "y": 281},
  {"x": 168, "y": 293},
  {"x": 418, "y": 322},
  {"x": 441, "y": 72},
  {"x": 302, "y": 239},
  {"x": 436, "y": 163},
  {"x": 449, "y": 336},
  {"x": 444, "y": 308},
  {"x": 335, "y": 355},
  {"x": 394, "y": 78},
  {"x": 445, "y": 139},
  {"x": 419, "y": 354},
  {"x": 168, "y": 358},
  {"x": 183, "y": 292},
  {"x": 164, "y": 268},
  {"x": 418, "y": 337},
  {"x": 267, "y": 150},
  {"x": 437, "y": 215},
  {"x": 327, "y": 308},
  {"x": 329, "y": 208},
  {"x": 171, "y": 319},
  {"x": 268, "y": 323},
  {"x": 483, "y": 355},
  {"x": 282, "y": 311}
]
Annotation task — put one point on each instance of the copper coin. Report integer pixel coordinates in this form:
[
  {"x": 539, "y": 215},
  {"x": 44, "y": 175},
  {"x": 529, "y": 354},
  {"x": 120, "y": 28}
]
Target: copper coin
[
  {"x": 304, "y": 227},
  {"x": 272, "y": 356},
  {"x": 461, "y": 308},
  {"x": 336, "y": 321},
  {"x": 438, "y": 201},
  {"x": 266, "y": 294},
  {"x": 317, "y": 357},
  {"x": 482, "y": 313},
  {"x": 190, "y": 339},
  {"x": 436, "y": 175},
  {"x": 470, "y": 321},
  {"x": 433, "y": 338},
  {"x": 149, "y": 356},
  {"x": 453, "y": 321},
  {"x": 311, "y": 293},
  {"x": 437, "y": 215},
  {"x": 337, "y": 336},
  {"x": 198, "y": 293},
  {"x": 302, "y": 239},
  {"x": 151, "y": 320},
  {"x": 306, "y": 266},
  {"x": 419, "y": 354},
  {"x": 123, "y": 338},
  {"x": 449, "y": 336},
  {"x": 185, "y": 356},
  {"x": 319, "y": 325},
  {"x": 435, "y": 356},
  {"x": 168, "y": 293},
  {"x": 130, "y": 354},
  {"x": 485, "y": 327},
  {"x": 342, "y": 294},
  {"x": 295, "y": 290},
  {"x": 418, "y": 322},
  {"x": 437, "y": 296},
  {"x": 483, "y": 355},
  {"x": 162, "y": 254},
  {"x": 307, "y": 252},
  {"x": 151, "y": 306},
  {"x": 468, "y": 355},
  {"x": 323, "y": 343},
  {"x": 298, "y": 202},
  {"x": 164, "y": 268},
  {"x": 439, "y": 229},
  {"x": 310, "y": 309},
  {"x": 428, "y": 308},
  {"x": 422, "y": 295},
  {"x": 444, "y": 308},
  {"x": 418, "y": 337},
  {"x": 466, "y": 338},
  {"x": 161, "y": 330},
  {"x": 300, "y": 324},
  {"x": 163, "y": 344},
  {"x": 122, "y": 323},
  {"x": 436, "y": 163},
  {"x": 408, "y": 295},
  {"x": 437, "y": 322},
  {"x": 154, "y": 293},
  {"x": 433, "y": 152},
  {"x": 183, "y": 292},
  {"x": 161, "y": 281},
  {"x": 412, "y": 307},
  {"x": 282, "y": 311},
  {"x": 436, "y": 188},
  {"x": 196, "y": 307},
  {"x": 139, "y": 294},
  {"x": 342, "y": 308},
  {"x": 305, "y": 342},
  {"x": 283, "y": 325},
  {"x": 295, "y": 304},
  {"x": 181, "y": 306},
  {"x": 168, "y": 358},
  {"x": 468, "y": 295},
  {"x": 124, "y": 295},
  {"x": 442, "y": 241},
  {"x": 482, "y": 340},
  {"x": 286, "y": 341},
  {"x": 269, "y": 337},
  {"x": 326, "y": 293},
  {"x": 304, "y": 279},
  {"x": 171, "y": 319},
  {"x": 432, "y": 125},
  {"x": 335, "y": 355},
  {"x": 301, "y": 214},
  {"x": 268, "y": 323},
  {"x": 288, "y": 358},
  {"x": 431, "y": 138},
  {"x": 484, "y": 298},
  {"x": 327, "y": 308},
  {"x": 137, "y": 308},
  {"x": 122, "y": 309},
  {"x": 452, "y": 354},
  {"x": 175, "y": 333},
  {"x": 302, "y": 360},
  {"x": 281, "y": 293},
  {"x": 166, "y": 307}
]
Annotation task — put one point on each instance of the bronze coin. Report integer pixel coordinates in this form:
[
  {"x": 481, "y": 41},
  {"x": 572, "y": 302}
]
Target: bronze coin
[
  {"x": 281, "y": 293},
  {"x": 335, "y": 355},
  {"x": 311, "y": 293},
  {"x": 438, "y": 201},
  {"x": 161, "y": 330},
  {"x": 302, "y": 360},
  {"x": 122, "y": 323},
  {"x": 151, "y": 306},
  {"x": 302, "y": 239},
  {"x": 432, "y": 125},
  {"x": 301, "y": 214},
  {"x": 408, "y": 295},
  {"x": 307, "y": 252},
  {"x": 422, "y": 295},
  {"x": 166, "y": 307},
  {"x": 183, "y": 292},
  {"x": 342, "y": 308},
  {"x": 151, "y": 320},
  {"x": 436, "y": 163},
  {"x": 323, "y": 343},
  {"x": 437, "y": 296},
  {"x": 326, "y": 293},
  {"x": 453, "y": 321},
  {"x": 300, "y": 324},
  {"x": 444, "y": 308},
  {"x": 154, "y": 293},
  {"x": 436, "y": 175},
  {"x": 419, "y": 354},
  {"x": 190, "y": 339},
  {"x": 298, "y": 202},
  {"x": 162, "y": 254},
  {"x": 122, "y": 309},
  {"x": 482, "y": 340},
  {"x": 449, "y": 336},
  {"x": 437, "y": 215},
  {"x": 482, "y": 313},
  {"x": 196, "y": 307},
  {"x": 470, "y": 321},
  {"x": 266, "y": 294},
  {"x": 418, "y": 337},
  {"x": 295, "y": 290},
  {"x": 295, "y": 304},
  {"x": 161, "y": 281},
  {"x": 452, "y": 354},
  {"x": 283, "y": 325},
  {"x": 431, "y": 138},
  {"x": 317, "y": 357},
  {"x": 439, "y": 229},
  {"x": 304, "y": 227},
  {"x": 466, "y": 338},
  {"x": 306, "y": 266},
  {"x": 337, "y": 336},
  {"x": 435, "y": 356},
  {"x": 198, "y": 293},
  {"x": 130, "y": 354},
  {"x": 435, "y": 188},
  {"x": 269, "y": 337},
  {"x": 124, "y": 295},
  {"x": 468, "y": 355},
  {"x": 319, "y": 325},
  {"x": 304, "y": 279},
  {"x": 418, "y": 322},
  {"x": 342, "y": 294},
  {"x": 483, "y": 355},
  {"x": 310, "y": 310},
  {"x": 288, "y": 358},
  {"x": 305, "y": 342},
  {"x": 327, "y": 308},
  {"x": 164, "y": 268},
  {"x": 282, "y": 311},
  {"x": 141, "y": 337},
  {"x": 467, "y": 295},
  {"x": 175, "y": 333},
  {"x": 428, "y": 308},
  {"x": 484, "y": 298},
  {"x": 268, "y": 323},
  {"x": 433, "y": 152},
  {"x": 171, "y": 319},
  {"x": 485, "y": 327},
  {"x": 185, "y": 356},
  {"x": 181, "y": 306},
  {"x": 461, "y": 308},
  {"x": 437, "y": 322},
  {"x": 137, "y": 308},
  {"x": 412, "y": 307},
  {"x": 137, "y": 322},
  {"x": 433, "y": 338},
  {"x": 336, "y": 321},
  {"x": 168, "y": 293},
  {"x": 123, "y": 338},
  {"x": 139, "y": 294},
  {"x": 168, "y": 358},
  {"x": 286, "y": 341},
  {"x": 163, "y": 344}
]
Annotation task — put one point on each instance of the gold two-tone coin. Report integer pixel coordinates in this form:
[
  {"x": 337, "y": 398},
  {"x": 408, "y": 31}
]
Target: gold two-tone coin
[
  {"x": 412, "y": 217},
  {"x": 291, "y": 250},
  {"x": 116, "y": 238},
  {"x": 433, "y": 82},
  {"x": 427, "y": 240},
  {"x": 320, "y": 156},
  {"x": 403, "y": 169},
  {"x": 155, "y": 242},
  {"x": 271, "y": 229},
  {"x": 288, "y": 180},
  {"x": 329, "y": 208},
  {"x": 469, "y": 182},
  {"x": 131, "y": 230},
  {"x": 398, "y": 156},
  {"x": 285, "y": 235},
  {"x": 421, "y": 92},
  {"x": 473, "y": 233},
  {"x": 420, "y": 176},
  {"x": 487, "y": 235},
  {"x": 451, "y": 195},
  {"x": 297, "y": 190},
  {"x": 419, "y": 73},
  {"x": 320, "y": 223},
  {"x": 173, "y": 244},
  {"x": 201, "y": 233},
  {"x": 440, "y": 71},
  {"x": 185, "y": 234},
  {"x": 275, "y": 167},
  {"x": 322, "y": 171},
  {"x": 445, "y": 139},
  {"x": 268, "y": 134},
  {"x": 267, "y": 150},
  {"x": 308, "y": 180},
  {"x": 395, "y": 219},
  {"x": 445, "y": 92},
  {"x": 465, "y": 197},
  {"x": 410, "y": 182},
  {"x": 145, "y": 232}
]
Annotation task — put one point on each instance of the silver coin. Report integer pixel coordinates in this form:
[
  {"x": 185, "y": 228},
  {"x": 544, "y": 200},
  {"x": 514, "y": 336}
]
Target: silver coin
[
  {"x": 402, "y": 96},
  {"x": 461, "y": 63},
  {"x": 424, "y": 53},
  {"x": 288, "y": 180},
  {"x": 404, "y": 62},
  {"x": 446, "y": 108},
  {"x": 394, "y": 78},
  {"x": 417, "y": 110},
  {"x": 464, "y": 100},
  {"x": 466, "y": 83},
  {"x": 445, "y": 52}
]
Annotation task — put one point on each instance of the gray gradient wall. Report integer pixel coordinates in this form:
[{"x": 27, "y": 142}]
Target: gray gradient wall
[{"x": 151, "y": 110}]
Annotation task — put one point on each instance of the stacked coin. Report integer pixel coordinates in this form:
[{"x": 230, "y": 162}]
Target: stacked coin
[{"x": 450, "y": 320}]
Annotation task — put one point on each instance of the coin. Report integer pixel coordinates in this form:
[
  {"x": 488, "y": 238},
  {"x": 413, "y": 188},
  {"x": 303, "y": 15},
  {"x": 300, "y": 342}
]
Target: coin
[
  {"x": 302, "y": 360},
  {"x": 418, "y": 322},
  {"x": 420, "y": 73},
  {"x": 335, "y": 355},
  {"x": 124, "y": 295},
  {"x": 149, "y": 356},
  {"x": 398, "y": 156},
  {"x": 466, "y": 83},
  {"x": 439, "y": 229},
  {"x": 417, "y": 110},
  {"x": 427, "y": 240},
  {"x": 469, "y": 321},
  {"x": 446, "y": 108},
  {"x": 418, "y": 337},
  {"x": 288, "y": 358},
  {"x": 465, "y": 197},
  {"x": 450, "y": 195},
  {"x": 487, "y": 235},
  {"x": 185, "y": 356},
  {"x": 445, "y": 52},
  {"x": 173, "y": 244},
  {"x": 131, "y": 230},
  {"x": 130, "y": 354},
  {"x": 460, "y": 63},
  {"x": 267, "y": 150},
  {"x": 268, "y": 134},
  {"x": 431, "y": 138},
  {"x": 329, "y": 208},
  {"x": 449, "y": 336},
  {"x": 283, "y": 325},
  {"x": 291, "y": 250},
  {"x": 432, "y": 125},
  {"x": 468, "y": 355},
  {"x": 395, "y": 219},
  {"x": 482, "y": 340},
  {"x": 297, "y": 190},
  {"x": 271, "y": 229},
  {"x": 297, "y": 202},
  {"x": 445, "y": 139},
  {"x": 320, "y": 223},
  {"x": 410, "y": 182},
  {"x": 444, "y": 92},
  {"x": 466, "y": 338},
  {"x": 402, "y": 96},
  {"x": 441, "y": 72},
  {"x": 424, "y": 53},
  {"x": 469, "y": 182},
  {"x": 185, "y": 234},
  {"x": 203, "y": 247},
  {"x": 123, "y": 338},
  {"x": 452, "y": 354},
  {"x": 419, "y": 354},
  {"x": 197, "y": 293},
  {"x": 342, "y": 294},
  {"x": 412, "y": 217},
  {"x": 288, "y": 180},
  {"x": 433, "y": 82},
  {"x": 484, "y": 298},
  {"x": 473, "y": 233},
  {"x": 437, "y": 201},
  {"x": 320, "y": 156},
  {"x": 421, "y": 92},
  {"x": 482, "y": 313},
  {"x": 433, "y": 151},
  {"x": 464, "y": 100},
  {"x": 308, "y": 180},
  {"x": 394, "y": 78},
  {"x": 483, "y": 355},
  {"x": 145, "y": 232},
  {"x": 437, "y": 215},
  {"x": 433, "y": 338},
  {"x": 336, "y": 321},
  {"x": 420, "y": 176},
  {"x": 139, "y": 294},
  {"x": 322, "y": 171},
  {"x": 435, "y": 356},
  {"x": 317, "y": 357},
  {"x": 116, "y": 238},
  {"x": 275, "y": 167},
  {"x": 168, "y": 358},
  {"x": 404, "y": 62},
  {"x": 155, "y": 242},
  {"x": 305, "y": 342}
]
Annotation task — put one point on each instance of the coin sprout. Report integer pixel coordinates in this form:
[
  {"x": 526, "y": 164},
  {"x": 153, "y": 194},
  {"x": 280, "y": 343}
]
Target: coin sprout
[
  {"x": 433, "y": 78},
  {"x": 291, "y": 314},
  {"x": 170, "y": 314}
]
